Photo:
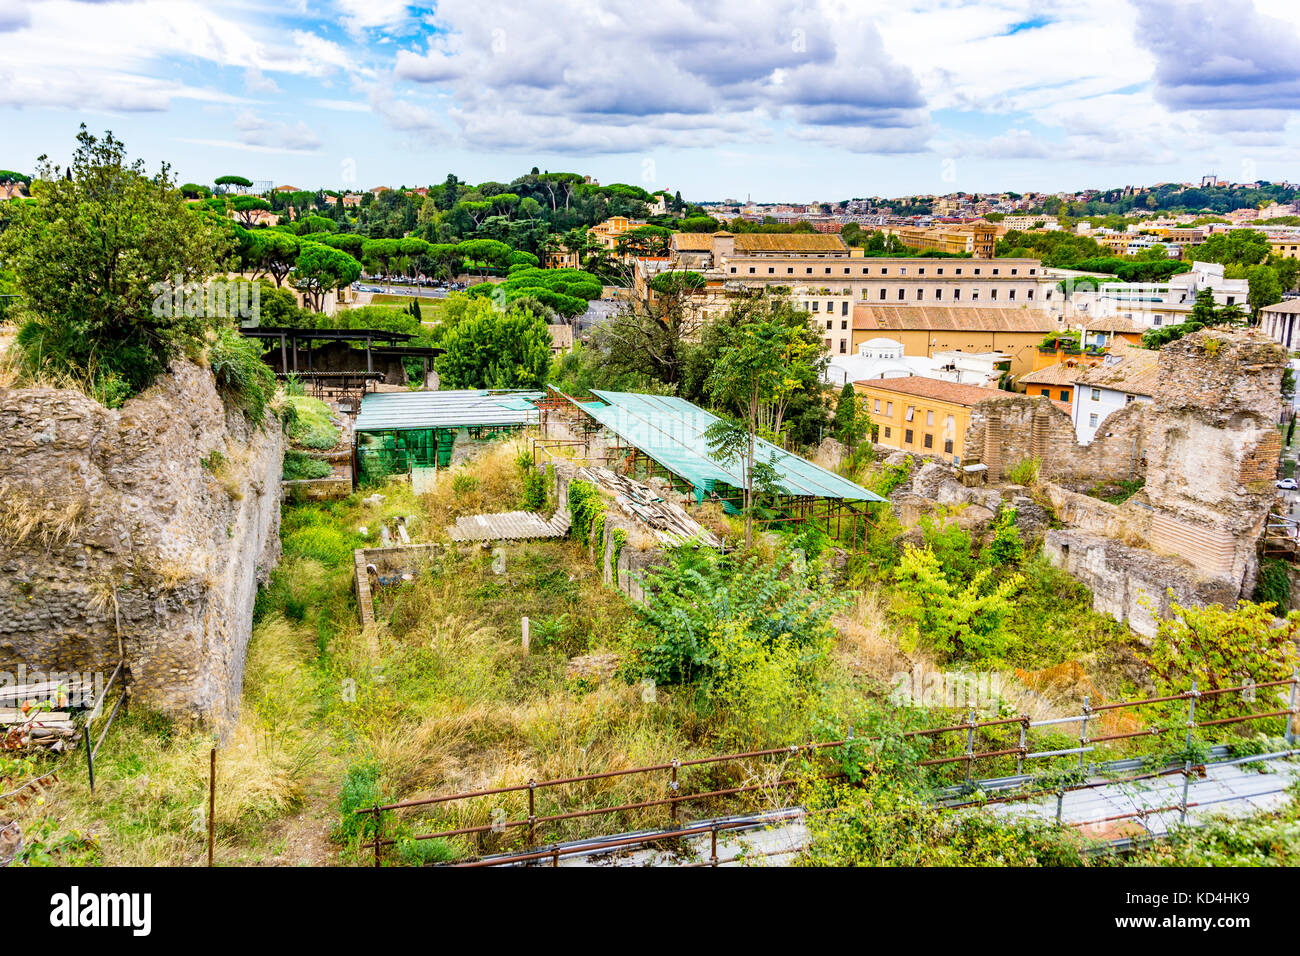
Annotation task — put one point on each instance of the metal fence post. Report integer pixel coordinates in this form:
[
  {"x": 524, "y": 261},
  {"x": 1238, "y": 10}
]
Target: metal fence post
[
  {"x": 1290, "y": 719},
  {"x": 378, "y": 830},
  {"x": 970, "y": 746},
  {"x": 532, "y": 813},
  {"x": 212, "y": 801},
  {"x": 1020, "y": 754},
  {"x": 1187, "y": 784},
  {"x": 1083, "y": 731},
  {"x": 1191, "y": 717},
  {"x": 1060, "y": 804},
  {"x": 672, "y": 790},
  {"x": 713, "y": 851}
]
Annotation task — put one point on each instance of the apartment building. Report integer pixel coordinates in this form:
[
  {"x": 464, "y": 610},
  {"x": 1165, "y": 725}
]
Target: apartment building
[
  {"x": 830, "y": 312},
  {"x": 1154, "y": 304},
  {"x": 1285, "y": 247},
  {"x": 606, "y": 233},
  {"x": 1016, "y": 333},
  {"x": 1026, "y": 223},
  {"x": 974, "y": 238},
  {"x": 924, "y": 415}
]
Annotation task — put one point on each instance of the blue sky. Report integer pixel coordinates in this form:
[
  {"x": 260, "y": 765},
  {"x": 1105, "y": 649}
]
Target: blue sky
[{"x": 777, "y": 99}]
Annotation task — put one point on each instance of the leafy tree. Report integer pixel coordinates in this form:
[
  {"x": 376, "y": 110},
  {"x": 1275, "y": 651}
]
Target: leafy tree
[
  {"x": 1220, "y": 647},
  {"x": 224, "y": 184},
  {"x": 1265, "y": 289},
  {"x": 851, "y": 422},
  {"x": 320, "y": 269},
  {"x": 88, "y": 255},
  {"x": 956, "y": 621},
  {"x": 755, "y": 373},
  {"x": 246, "y": 208},
  {"x": 1005, "y": 548},
  {"x": 490, "y": 349},
  {"x": 274, "y": 252}
]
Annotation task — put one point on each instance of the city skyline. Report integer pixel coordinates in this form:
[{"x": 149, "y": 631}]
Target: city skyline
[{"x": 798, "y": 102}]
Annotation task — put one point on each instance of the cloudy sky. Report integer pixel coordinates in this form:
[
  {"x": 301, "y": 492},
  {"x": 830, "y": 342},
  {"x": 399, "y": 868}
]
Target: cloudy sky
[{"x": 779, "y": 99}]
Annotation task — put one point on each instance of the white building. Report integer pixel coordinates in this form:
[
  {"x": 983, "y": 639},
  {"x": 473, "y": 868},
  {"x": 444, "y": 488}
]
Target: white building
[
  {"x": 1154, "y": 304},
  {"x": 1126, "y": 375},
  {"x": 1281, "y": 322},
  {"x": 883, "y": 358}
]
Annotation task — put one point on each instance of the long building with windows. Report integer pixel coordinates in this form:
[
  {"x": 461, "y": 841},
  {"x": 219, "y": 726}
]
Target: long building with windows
[{"x": 825, "y": 263}]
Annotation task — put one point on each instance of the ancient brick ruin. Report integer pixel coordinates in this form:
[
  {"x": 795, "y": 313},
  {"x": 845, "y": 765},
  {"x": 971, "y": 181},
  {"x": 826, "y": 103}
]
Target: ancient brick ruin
[
  {"x": 1207, "y": 447},
  {"x": 141, "y": 531}
]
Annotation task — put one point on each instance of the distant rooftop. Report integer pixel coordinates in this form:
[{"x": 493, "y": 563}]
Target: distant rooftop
[{"x": 398, "y": 411}]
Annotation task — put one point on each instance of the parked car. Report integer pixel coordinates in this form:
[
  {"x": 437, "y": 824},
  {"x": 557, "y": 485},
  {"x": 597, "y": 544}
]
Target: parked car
[{"x": 1288, "y": 484}]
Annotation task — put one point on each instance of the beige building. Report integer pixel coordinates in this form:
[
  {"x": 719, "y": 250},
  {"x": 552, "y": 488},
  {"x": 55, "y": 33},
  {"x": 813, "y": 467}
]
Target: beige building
[{"x": 1281, "y": 323}]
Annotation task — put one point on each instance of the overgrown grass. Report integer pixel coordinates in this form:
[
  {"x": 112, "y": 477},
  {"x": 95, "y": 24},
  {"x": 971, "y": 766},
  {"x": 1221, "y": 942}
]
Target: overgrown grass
[{"x": 310, "y": 423}]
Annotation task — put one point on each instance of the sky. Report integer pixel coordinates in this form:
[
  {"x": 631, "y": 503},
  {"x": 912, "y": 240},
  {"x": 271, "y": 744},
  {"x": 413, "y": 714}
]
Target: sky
[{"x": 778, "y": 100}]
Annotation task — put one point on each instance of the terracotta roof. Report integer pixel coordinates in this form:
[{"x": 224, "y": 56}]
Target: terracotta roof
[
  {"x": 1114, "y": 324},
  {"x": 951, "y": 318},
  {"x": 923, "y": 387},
  {"x": 790, "y": 242},
  {"x": 692, "y": 242},
  {"x": 1058, "y": 374},
  {"x": 1136, "y": 373}
]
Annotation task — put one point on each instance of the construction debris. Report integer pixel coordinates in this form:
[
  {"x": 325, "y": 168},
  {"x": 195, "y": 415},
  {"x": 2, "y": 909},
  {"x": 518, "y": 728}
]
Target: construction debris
[
  {"x": 511, "y": 526},
  {"x": 670, "y": 522}
]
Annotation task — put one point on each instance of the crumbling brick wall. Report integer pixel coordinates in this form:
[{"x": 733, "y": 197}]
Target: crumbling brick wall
[
  {"x": 151, "y": 525},
  {"x": 1014, "y": 428},
  {"x": 1207, "y": 446}
]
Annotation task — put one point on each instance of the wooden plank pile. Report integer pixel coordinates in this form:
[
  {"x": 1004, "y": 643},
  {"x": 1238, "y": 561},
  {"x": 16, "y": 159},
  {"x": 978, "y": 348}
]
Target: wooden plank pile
[
  {"x": 669, "y": 522},
  {"x": 23, "y": 722}
]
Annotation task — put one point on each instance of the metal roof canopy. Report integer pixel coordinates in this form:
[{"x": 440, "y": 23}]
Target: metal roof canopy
[
  {"x": 671, "y": 431},
  {"x": 403, "y": 411},
  {"x": 324, "y": 335}
]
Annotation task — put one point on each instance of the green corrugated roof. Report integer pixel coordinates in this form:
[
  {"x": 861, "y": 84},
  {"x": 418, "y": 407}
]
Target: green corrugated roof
[
  {"x": 671, "y": 431},
  {"x": 398, "y": 411}
]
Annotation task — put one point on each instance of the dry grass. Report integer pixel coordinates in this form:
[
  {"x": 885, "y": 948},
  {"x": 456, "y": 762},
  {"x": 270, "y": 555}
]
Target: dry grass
[
  {"x": 28, "y": 517},
  {"x": 867, "y": 642}
]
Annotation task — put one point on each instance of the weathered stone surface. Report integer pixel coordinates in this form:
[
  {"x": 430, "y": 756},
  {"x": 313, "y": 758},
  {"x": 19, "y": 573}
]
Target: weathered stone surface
[
  {"x": 154, "y": 524},
  {"x": 1032, "y": 519},
  {"x": 592, "y": 668},
  {"x": 1133, "y": 584},
  {"x": 975, "y": 519},
  {"x": 927, "y": 479}
]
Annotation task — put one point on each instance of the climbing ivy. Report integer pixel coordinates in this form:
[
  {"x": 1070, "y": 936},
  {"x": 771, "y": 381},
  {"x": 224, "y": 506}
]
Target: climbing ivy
[
  {"x": 619, "y": 536},
  {"x": 586, "y": 504}
]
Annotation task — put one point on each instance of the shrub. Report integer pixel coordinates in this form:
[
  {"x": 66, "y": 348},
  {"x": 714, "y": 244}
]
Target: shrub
[
  {"x": 243, "y": 379},
  {"x": 298, "y": 465},
  {"x": 963, "y": 623},
  {"x": 309, "y": 423},
  {"x": 1025, "y": 471},
  {"x": 1274, "y": 584}
]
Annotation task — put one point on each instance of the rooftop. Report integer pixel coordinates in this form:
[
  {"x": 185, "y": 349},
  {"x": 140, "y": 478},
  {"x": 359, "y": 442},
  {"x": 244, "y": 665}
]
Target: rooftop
[
  {"x": 671, "y": 431},
  {"x": 1136, "y": 373},
  {"x": 950, "y": 319},
  {"x": 1058, "y": 374},
  {"x": 790, "y": 242},
  {"x": 398, "y": 411},
  {"x": 937, "y": 389}
]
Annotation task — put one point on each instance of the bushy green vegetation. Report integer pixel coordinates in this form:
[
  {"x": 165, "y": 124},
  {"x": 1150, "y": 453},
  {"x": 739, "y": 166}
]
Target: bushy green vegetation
[{"x": 310, "y": 423}]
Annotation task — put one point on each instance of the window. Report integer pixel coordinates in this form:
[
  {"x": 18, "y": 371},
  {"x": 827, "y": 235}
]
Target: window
[
  {"x": 877, "y": 406},
  {"x": 959, "y": 270},
  {"x": 1065, "y": 395},
  {"x": 733, "y": 269},
  {"x": 1092, "y": 420},
  {"x": 771, "y": 270},
  {"x": 751, "y": 270},
  {"x": 920, "y": 271},
  {"x": 1030, "y": 294},
  {"x": 1015, "y": 271},
  {"x": 977, "y": 272},
  {"x": 884, "y": 272},
  {"x": 889, "y": 409},
  {"x": 911, "y": 410},
  {"x": 844, "y": 346},
  {"x": 790, "y": 271},
  {"x": 1096, "y": 395},
  {"x": 920, "y": 295},
  {"x": 938, "y": 295},
  {"x": 1128, "y": 399},
  {"x": 844, "y": 307},
  {"x": 828, "y": 270},
  {"x": 947, "y": 447},
  {"x": 993, "y": 293},
  {"x": 929, "y": 417},
  {"x": 956, "y": 295},
  {"x": 907, "y": 437},
  {"x": 808, "y": 270},
  {"x": 828, "y": 345},
  {"x": 829, "y": 323},
  {"x": 995, "y": 271},
  {"x": 902, "y": 293},
  {"x": 929, "y": 441},
  {"x": 886, "y": 431},
  {"x": 816, "y": 305},
  {"x": 830, "y": 308},
  {"x": 882, "y": 295},
  {"x": 1011, "y": 294}
]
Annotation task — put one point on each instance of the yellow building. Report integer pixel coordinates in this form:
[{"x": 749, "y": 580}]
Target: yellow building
[
  {"x": 976, "y": 238},
  {"x": 1285, "y": 247},
  {"x": 1055, "y": 381},
  {"x": 607, "y": 232},
  {"x": 924, "y": 330},
  {"x": 927, "y": 416}
]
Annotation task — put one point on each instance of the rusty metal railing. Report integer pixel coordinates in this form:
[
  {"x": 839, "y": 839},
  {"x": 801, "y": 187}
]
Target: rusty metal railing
[{"x": 970, "y": 756}]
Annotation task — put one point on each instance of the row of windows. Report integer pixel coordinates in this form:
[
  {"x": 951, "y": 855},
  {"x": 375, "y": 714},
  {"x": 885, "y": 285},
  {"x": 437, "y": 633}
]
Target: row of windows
[
  {"x": 830, "y": 306},
  {"x": 883, "y": 295},
  {"x": 844, "y": 346},
  {"x": 927, "y": 440},
  {"x": 848, "y": 270}
]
